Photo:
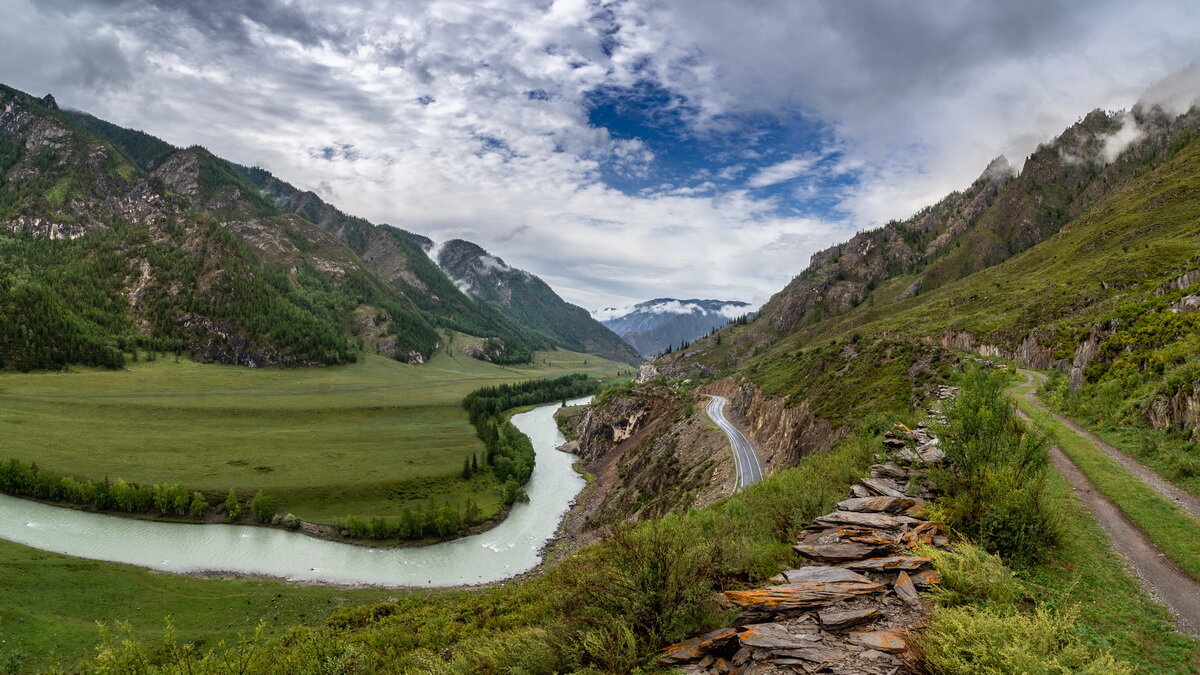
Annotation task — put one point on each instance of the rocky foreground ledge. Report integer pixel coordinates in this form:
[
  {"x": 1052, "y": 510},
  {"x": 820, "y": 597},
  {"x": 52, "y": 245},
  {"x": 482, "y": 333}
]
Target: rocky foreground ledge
[{"x": 854, "y": 608}]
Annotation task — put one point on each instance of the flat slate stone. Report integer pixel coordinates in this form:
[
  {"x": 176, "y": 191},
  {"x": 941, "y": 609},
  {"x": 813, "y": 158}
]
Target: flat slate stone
[
  {"x": 890, "y": 641},
  {"x": 888, "y": 470},
  {"x": 889, "y": 563},
  {"x": 769, "y": 636},
  {"x": 840, "y": 620},
  {"x": 876, "y": 504},
  {"x": 859, "y": 491},
  {"x": 695, "y": 648},
  {"x": 841, "y": 552},
  {"x": 906, "y": 591},
  {"x": 818, "y": 574},
  {"x": 805, "y": 595},
  {"x": 878, "y": 486},
  {"x": 878, "y": 521}
]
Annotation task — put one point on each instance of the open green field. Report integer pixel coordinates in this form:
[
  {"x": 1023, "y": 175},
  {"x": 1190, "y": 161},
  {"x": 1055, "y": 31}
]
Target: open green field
[
  {"x": 368, "y": 438},
  {"x": 50, "y": 605}
]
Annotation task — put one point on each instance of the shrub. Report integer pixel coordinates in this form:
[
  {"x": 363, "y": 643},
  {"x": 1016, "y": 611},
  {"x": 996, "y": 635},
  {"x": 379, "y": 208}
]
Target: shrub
[
  {"x": 990, "y": 640},
  {"x": 263, "y": 507},
  {"x": 198, "y": 505},
  {"x": 995, "y": 492},
  {"x": 971, "y": 575},
  {"x": 233, "y": 507}
]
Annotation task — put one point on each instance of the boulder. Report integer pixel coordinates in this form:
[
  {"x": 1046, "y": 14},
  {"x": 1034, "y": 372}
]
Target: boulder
[
  {"x": 843, "y": 619},
  {"x": 876, "y": 504},
  {"x": 889, "y": 563},
  {"x": 806, "y": 595},
  {"x": 859, "y": 491}
]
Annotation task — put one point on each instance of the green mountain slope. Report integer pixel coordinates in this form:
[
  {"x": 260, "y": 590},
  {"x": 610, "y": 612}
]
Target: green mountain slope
[
  {"x": 194, "y": 254},
  {"x": 530, "y": 301},
  {"x": 1109, "y": 298}
]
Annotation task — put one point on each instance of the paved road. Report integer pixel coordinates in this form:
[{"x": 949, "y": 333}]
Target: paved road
[
  {"x": 748, "y": 466},
  {"x": 1159, "y": 576}
]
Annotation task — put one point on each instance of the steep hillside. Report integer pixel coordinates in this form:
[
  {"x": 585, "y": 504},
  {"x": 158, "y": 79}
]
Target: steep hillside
[
  {"x": 655, "y": 325},
  {"x": 1109, "y": 298},
  {"x": 123, "y": 242},
  {"x": 529, "y": 301}
]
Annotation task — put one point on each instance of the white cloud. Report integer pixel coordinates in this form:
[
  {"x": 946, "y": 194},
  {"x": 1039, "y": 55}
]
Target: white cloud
[
  {"x": 783, "y": 171},
  {"x": 468, "y": 118}
]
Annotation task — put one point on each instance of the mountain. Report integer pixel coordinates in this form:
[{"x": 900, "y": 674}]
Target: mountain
[
  {"x": 653, "y": 326},
  {"x": 1085, "y": 262},
  {"x": 528, "y": 301},
  {"x": 113, "y": 242}
]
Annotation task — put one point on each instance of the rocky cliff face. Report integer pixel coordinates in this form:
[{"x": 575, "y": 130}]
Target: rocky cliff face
[
  {"x": 998, "y": 216},
  {"x": 651, "y": 452},
  {"x": 782, "y": 434}
]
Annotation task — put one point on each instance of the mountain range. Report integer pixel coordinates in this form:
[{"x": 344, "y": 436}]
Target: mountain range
[
  {"x": 653, "y": 326},
  {"x": 115, "y": 241}
]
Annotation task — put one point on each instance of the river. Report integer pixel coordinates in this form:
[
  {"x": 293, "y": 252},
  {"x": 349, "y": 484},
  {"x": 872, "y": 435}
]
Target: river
[{"x": 510, "y": 548}]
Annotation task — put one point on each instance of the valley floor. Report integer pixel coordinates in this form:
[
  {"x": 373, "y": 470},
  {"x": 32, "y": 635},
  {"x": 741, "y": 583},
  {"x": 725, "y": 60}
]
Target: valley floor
[{"x": 369, "y": 438}]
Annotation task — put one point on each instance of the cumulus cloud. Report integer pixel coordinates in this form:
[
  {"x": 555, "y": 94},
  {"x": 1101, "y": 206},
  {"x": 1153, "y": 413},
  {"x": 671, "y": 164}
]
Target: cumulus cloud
[
  {"x": 783, "y": 171},
  {"x": 457, "y": 118}
]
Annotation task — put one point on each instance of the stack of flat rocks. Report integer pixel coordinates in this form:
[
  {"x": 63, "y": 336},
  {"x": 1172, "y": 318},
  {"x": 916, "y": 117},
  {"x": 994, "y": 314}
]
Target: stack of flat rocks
[{"x": 853, "y": 608}]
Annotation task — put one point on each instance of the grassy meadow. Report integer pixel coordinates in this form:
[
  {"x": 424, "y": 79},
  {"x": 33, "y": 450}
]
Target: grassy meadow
[
  {"x": 367, "y": 438},
  {"x": 51, "y": 605}
]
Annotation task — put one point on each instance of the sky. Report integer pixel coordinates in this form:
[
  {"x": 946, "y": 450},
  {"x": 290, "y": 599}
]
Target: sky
[{"x": 620, "y": 149}]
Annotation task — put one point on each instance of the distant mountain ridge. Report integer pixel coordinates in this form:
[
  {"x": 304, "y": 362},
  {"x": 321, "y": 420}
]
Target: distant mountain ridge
[
  {"x": 654, "y": 325},
  {"x": 529, "y": 301}
]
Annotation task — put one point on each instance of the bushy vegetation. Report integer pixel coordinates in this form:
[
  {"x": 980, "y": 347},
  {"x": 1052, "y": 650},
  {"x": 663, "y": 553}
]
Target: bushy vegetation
[
  {"x": 24, "y": 479},
  {"x": 412, "y": 524},
  {"x": 994, "y": 494}
]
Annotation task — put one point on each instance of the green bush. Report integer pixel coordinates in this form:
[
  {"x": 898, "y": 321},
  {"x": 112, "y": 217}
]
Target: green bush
[
  {"x": 995, "y": 492},
  {"x": 233, "y": 507},
  {"x": 263, "y": 507},
  {"x": 994, "y": 641},
  {"x": 972, "y": 576}
]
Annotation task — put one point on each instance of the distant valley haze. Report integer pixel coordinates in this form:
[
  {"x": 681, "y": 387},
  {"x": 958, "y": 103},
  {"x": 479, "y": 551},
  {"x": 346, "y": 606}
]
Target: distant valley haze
[{"x": 621, "y": 151}]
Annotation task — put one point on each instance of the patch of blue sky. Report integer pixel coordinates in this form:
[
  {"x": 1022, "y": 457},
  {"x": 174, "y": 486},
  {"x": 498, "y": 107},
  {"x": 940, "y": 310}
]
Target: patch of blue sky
[{"x": 694, "y": 156}]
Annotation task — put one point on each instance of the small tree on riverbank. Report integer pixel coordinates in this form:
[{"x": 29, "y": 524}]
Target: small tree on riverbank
[
  {"x": 233, "y": 507},
  {"x": 263, "y": 507}
]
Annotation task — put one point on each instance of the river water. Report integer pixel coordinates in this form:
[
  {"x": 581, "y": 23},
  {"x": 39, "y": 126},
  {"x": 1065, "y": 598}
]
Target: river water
[{"x": 506, "y": 550}]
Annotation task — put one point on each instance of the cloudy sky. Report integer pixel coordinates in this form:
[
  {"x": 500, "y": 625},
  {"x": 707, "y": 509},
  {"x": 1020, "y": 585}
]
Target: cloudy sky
[{"x": 623, "y": 149}]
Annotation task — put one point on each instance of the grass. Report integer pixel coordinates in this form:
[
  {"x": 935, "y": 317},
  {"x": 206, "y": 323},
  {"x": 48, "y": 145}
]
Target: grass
[
  {"x": 367, "y": 438},
  {"x": 1170, "y": 529},
  {"x": 1113, "y": 613},
  {"x": 50, "y": 605}
]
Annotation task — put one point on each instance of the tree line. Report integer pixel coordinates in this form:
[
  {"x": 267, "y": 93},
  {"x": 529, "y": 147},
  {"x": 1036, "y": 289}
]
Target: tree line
[
  {"x": 420, "y": 523},
  {"x": 510, "y": 453},
  {"x": 27, "y": 479}
]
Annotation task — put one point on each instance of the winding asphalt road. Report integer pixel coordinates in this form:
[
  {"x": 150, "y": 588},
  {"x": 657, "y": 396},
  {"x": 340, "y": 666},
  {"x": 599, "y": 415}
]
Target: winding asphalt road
[{"x": 748, "y": 467}]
